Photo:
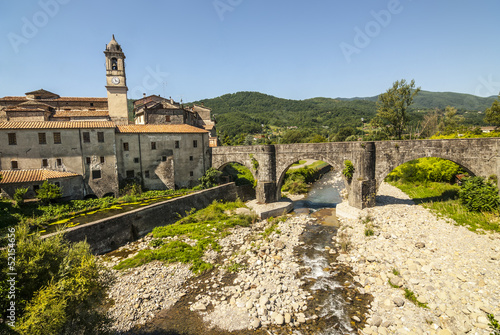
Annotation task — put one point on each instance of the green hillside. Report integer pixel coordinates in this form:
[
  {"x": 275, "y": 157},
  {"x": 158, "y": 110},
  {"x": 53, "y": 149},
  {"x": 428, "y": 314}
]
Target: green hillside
[{"x": 253, "y": 112}]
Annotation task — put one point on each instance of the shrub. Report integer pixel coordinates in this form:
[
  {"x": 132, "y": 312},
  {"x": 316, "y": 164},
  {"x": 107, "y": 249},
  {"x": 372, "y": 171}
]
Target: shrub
[
  {"x": 19, "y": 196},
  {"x": 348, "y": 170},
  {"x": 61, "y": 288},
  {"x": 48, "y": 192},
  {"x": 210, "y": 178},
  {"x": 425, "y": 169},
  {"x": 131, "y": 189},
  {"x": 478, "y": 194}
]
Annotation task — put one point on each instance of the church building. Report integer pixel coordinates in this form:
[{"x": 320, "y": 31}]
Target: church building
[{"x": 87, "y": 146}]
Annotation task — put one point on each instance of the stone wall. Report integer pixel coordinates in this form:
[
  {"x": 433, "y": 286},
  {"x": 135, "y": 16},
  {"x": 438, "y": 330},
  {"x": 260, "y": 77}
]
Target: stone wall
[
  {"x": 108, "y": 234},
  {"x": 372, "y": 161}
]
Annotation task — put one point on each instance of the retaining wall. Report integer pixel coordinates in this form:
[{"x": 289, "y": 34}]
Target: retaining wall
[{"x": 110, "y": 233}]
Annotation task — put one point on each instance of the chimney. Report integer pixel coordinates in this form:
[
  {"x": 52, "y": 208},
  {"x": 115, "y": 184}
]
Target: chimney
[{"x": 143, "y": 95}]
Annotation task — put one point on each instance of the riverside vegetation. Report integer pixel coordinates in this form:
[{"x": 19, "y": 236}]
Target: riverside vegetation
[
  {"x": 202, "y": 229},
  {"x": 429, "y": 182}
]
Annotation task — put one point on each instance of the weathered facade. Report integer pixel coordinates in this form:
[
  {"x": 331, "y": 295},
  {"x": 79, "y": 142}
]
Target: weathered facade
[
  {"x": 372, "y": 161},
  {"x": 102, "y": 155},
  {"x": 154, "y": 109},
  {"x": 86, "y": 149},
  {"x": 162, "y": 156}
]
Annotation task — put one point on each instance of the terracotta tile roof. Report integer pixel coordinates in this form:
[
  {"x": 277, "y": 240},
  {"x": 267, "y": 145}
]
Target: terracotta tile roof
[
  {"x": 25, "y": 176},
  {"x": 82, "y": 99},
  {"x": 25, "y": 109},
  {"x": 56, "y": 124},
  {"x": 80, "y": 113},
  {"x": 11, "y": 98},
  {"x": 159, "y": 128}
]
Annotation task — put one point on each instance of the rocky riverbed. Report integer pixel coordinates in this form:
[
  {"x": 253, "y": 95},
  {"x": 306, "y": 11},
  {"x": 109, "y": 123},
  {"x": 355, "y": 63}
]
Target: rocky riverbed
[
  {"x": 261, "y": 286},
  {"x": 453, "y": 271}
]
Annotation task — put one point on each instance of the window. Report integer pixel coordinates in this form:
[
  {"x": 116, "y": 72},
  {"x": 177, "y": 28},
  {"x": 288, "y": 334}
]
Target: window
[
  {"x": 86, "y": 137},
  {"x": 96, "y": 174},
  {"x": 100, "y": 136},
  {"x": 130, "y": 173},
  {"x": 153, "y": 145},
  {"x": 190, "y": 158},
  {"x": 136, "y": 160},
  {"x": 45, "y": 162},
  {"x": 57, "y": 138},
  {"x": 42, "y": 139},
  {"x": 146, "y": 174},
  {"x": 59, "y": 162},
  {"x": 12, "y": 139},
  {"x": 87, "y": 160},
  {"x": 114, "y": 64},
  {"x": 13, "y": 165},
  {"x": 91, "y": 104},
  {"x": 163, "y": 158},
  {"x": 191, "y": 173},
  {"x": 195, "y": 143},
  {"x": 125, "y": 146},
  {"x": 167, "y": 118},
  {"x": 102, "y": 159},
  {"x": 177, "y": 144}
]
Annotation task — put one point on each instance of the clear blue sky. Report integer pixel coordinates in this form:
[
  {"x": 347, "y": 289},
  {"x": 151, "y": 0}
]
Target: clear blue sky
[{"x": 291, "y": 49}]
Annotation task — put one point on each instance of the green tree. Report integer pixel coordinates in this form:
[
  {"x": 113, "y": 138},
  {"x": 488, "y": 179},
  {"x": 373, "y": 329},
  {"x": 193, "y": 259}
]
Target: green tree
[
  {"x": 318, "y": 139},
  {"x": 392, "y": 111},
  {"x": 48, "y": 192},
  {"x": 210, "y": 178},
  {"x": 344, "y": 133},
  {"x": 292, "y": 136},
  {"x": 19, "y": 196},
  {"x": 493, "y": 114},
  {"x": 60, "y": 287},
  {"x": 451, "y": 121}
]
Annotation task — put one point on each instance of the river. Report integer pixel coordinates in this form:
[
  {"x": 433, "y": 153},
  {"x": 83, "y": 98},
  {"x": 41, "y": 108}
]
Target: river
[{"x": 336, "y": 302}]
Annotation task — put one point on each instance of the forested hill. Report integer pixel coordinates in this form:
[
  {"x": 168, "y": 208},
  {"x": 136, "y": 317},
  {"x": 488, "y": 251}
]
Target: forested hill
[
  {"x": 246, "y": 112},
  {"x": 431, "y": 100}
]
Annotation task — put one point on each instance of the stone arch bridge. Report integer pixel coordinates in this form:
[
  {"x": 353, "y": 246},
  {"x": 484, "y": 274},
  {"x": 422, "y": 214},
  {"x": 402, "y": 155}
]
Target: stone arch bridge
[{"x": 372, "y": 161}]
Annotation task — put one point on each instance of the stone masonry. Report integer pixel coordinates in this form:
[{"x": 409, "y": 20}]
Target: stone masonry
[{"x": 372, "y": 161}]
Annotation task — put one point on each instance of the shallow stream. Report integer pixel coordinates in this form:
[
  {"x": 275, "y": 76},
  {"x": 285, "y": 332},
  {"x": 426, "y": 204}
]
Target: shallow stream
[{"x": 337, "y": 303}]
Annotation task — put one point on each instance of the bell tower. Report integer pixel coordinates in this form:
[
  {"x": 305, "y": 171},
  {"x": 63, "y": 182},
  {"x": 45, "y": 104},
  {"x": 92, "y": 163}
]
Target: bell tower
[{"x": 116, "y": 84}]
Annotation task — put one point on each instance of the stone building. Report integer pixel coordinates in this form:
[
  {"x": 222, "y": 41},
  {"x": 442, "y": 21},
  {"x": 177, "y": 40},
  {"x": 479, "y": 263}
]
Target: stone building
[
  {"x": 87, "y": 146},
  {"x": 162, "y": 156},
  {"x": 85, "y": 149},
  {"x": 154, "y": 109}
]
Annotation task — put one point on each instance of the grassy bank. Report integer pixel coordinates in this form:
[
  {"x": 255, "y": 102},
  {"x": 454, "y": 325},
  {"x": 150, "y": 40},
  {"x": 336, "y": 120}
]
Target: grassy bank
[
  {"x": 38, "y": 216},
  {"x": 174, "y": 243},
  {"x": 442, "y": 198}
]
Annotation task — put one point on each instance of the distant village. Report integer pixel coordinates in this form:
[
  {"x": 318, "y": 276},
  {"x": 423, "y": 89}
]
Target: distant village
[{"x": 88, "y": 147}]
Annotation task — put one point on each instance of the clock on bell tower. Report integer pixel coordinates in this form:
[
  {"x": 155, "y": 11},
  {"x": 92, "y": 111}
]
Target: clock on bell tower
[{"x": 116, "y": 84}]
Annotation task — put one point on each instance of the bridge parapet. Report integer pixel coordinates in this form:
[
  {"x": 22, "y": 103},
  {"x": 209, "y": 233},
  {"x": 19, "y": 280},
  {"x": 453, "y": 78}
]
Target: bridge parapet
[{"x": 372, "y": 161}]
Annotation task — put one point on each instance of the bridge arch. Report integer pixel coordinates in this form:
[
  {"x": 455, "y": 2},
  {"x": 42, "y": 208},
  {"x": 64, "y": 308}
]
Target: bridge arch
[
  {"x": 252, "y": 171},
  {"x": 285, "y": 166}
]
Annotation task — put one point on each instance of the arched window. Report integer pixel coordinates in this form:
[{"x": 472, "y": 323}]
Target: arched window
[{"x": 114, "y": 64}]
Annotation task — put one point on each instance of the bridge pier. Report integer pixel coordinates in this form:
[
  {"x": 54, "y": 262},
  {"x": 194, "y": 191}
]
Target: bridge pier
[
  {"x": 265, "y": 192},
  {"x": 363, "y": 186}
]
